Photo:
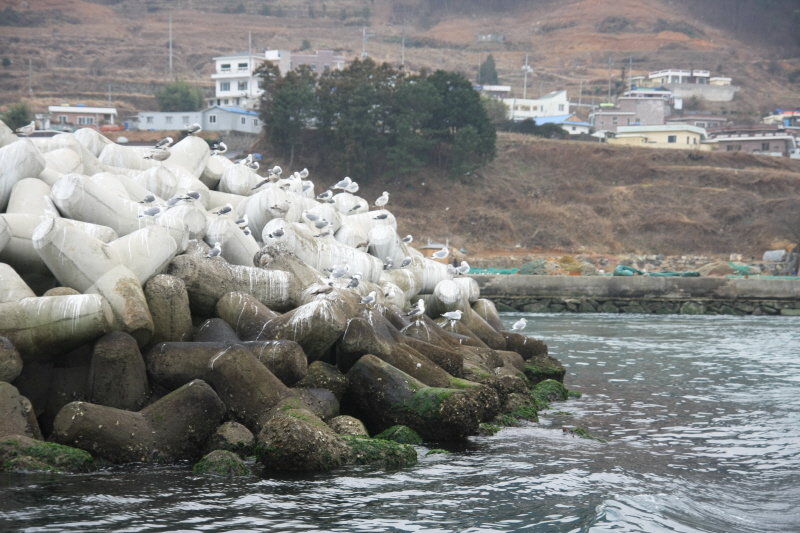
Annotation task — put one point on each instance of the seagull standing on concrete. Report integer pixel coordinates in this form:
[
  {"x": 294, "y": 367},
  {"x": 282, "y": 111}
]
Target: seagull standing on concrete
[
  {"x": 463, "y": 269},
  {"x": 441, "y": 254},
  {"x": 417, "y": 311},
  {"x": 389, "y": 264},
  {"x": 343, "y": 183},
  {"x": 304, "y": 174},
  {"x": 224, "y": 210},
  {"x": 151, "y": 212},
  {"x": 215, "y": 251},
  {"x": 242, "y": 222},
  {"x": 194, "y": 128},
  {"x": 407, "y": 239},
  {"x": 406, "y": 262},
  {"x": 149, "y": 199},
  {"x": 164, "y": 143},
  {"x": 161, "y": 154},
  {"x": 453, "y": 316},
  {"x": 339, "y": 271},
  {"x": 519, "y": 325},
  {"x": 354, "y": 281},
  {"x": 352, "y": 188},
  {"x": 219, "y": 148},
  {"x": 382, "y": 199},
  {"x": 369, "y": 300},
  {"x": 26, "y": 130},
  {"x": 325, "y": 196}
]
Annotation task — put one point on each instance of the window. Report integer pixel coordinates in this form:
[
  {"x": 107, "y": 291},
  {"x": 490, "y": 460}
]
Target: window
[
  {"x": 242, "y": 67},
  {"x": 85, "y": 120},
  {"x": 629, "y": 122},
  {"x": 242, "y": 85},
  {"x": 700, "y": 124},
  {"x": 225, "y": 86},
  {"x": 212, "y": 119},
  {"x": 765, "y": 147},
  {"x": 225, "y": 67},
  {"x": 225, "y": 101},
  {"x": 168, "y": 120},
  {"x": 260, "y": 84},
  {"x": 694, "y": 141},
  {"x": 672, "y": 139},
  {"x": 185, "y": 119},
  {"x": 561, "y": 107},
  {"x": 243, "y": 121},
  {"x": 313, "y": 66},
  {"x": 62, "y": 119},
  {"x": 687, "y": 139},
  {"x": 149, "y": 120},
  {"x": 255, "y": 122},
  {"x": 614, "y": 121}
]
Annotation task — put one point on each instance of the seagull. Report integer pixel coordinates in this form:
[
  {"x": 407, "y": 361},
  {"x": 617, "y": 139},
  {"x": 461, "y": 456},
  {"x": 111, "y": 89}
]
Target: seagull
[
  {"x": 164, "y": 143},
  {"x": 282, "y": 207},
  {"x": 323, "y": 290},
  {"x": 463, "y": 269},
  {"x": 406, "y": 262},
  {"x": 26, "y": 130},
  {"x": 339, "y": 271},
  {"x": 277, "y": 233},
  {"x": 307, "y": 185},
  {"x": 368, "y": 300},
  {"x": 352, "y": 188},
  {"x": 149, "y": 199},
  {"x": 162, "y": 154},
  {"x": 322, "y": 224},
  {"x": 175, "y": 200},
  {"x": 364, "y": 244},
  {"x": 151, "y": 212},
  {"x": 253, "y": 166},
  {"x": 219, "y": 148},
  {"x": 441, "y": 254},
  {"x": 417, "y": 311},
  {"x": 407, "y": 239},
  {"x": 326, "y": 196},
  {"x": 304, "y": 173},
  {"x": 215, "y": 251},
  {"x": 343, "y": 184},
  {"x": 244, "y": 161},
  {"x": 519, "y": 325},
  {"x": 246, "y": 231},
  {"x": 354, "y": 281},
  {"x": 276, "y": 170},
  {"x": 242, "y": 222},
  {"x": 192, "y": 195},
  {"x": 313, "y": 217},
  {"x": 382, "y": 199},
  {"x": 453, "y": 316},
  {"x": 194, "y": 128},
  {"x": 382, "y": 216},
  {"x": 261, "y": 184},
  {"x": 388, "y": 264},
  {"x": 356, "y": 208},
  {"x": 227, "y": 208},
  {"x": 453, "y": 271}
]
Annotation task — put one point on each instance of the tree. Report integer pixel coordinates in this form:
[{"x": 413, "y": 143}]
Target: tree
[
  {"x": 6, "y": 62},
  {"x": 496, "y": 110},
  {"x": 291, "y": 109},
  {"x": 18, "y": 115},
  {"x": 487, "y": 73},
  {"x": 180, "y": 96}
]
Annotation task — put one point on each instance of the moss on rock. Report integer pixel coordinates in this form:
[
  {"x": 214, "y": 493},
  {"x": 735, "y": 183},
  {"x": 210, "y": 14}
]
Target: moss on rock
[
  {"x": 487, "y": 430},
  {"x": 548, "y": 391},
  {"x": 18, "y": 452},
  {"x": 401, "y": 434},
  {"x": 366, "y": 451},
  {"x": 221, "y": 463},
  {"x": 584, "y": 434},
  {"x": 437, "y": 451}
]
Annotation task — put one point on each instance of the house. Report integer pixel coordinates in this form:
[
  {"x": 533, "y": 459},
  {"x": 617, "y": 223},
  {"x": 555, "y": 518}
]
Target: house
[
  {"x": 68, "y": 118},
  {"x": 550, "y": 105},
  {"x": 688, "y": 83},
  {"x": 214, "y": 118},
  {"x": 674, "y": 136},
  {"x": 701, "y": 121},
  {"x": 789, "y": 119},
  {"x": 570, "y": 123},
  {"x": 631, "y": 111},
  {"x": 760, "y": 139},
  {"x": 236, "y": 83},
  {"x": 495, "y": 91}
]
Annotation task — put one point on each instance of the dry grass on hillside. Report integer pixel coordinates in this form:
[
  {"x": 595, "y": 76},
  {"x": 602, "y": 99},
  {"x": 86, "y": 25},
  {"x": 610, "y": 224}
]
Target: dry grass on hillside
[{"x": 586, "y": 197}]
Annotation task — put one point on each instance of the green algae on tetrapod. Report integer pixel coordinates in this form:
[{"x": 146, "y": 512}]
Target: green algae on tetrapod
[
  {"x": 548, "y": 391},
  {"x": 401, "y": 434},
  {"x": 18, "y": 452},
  {"x": 367, "y": 451},
  {"x": 221, "y": 463}
]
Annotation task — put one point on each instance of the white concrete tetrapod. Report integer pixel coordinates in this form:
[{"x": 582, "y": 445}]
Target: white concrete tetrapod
[
  {"x": 17, "y": 161},
  {"x": 348, "y": 204},
  {"x": 237, "y": 248},
  {"x": 191, "y": 153},
  {"x": 239, "y": 179},
  {"x": 218, "y": 199},
  {"x": 12, "y": 287},
  {"x": 64, "y": 161},
  {"x": 132, "y": 157},
  {"x": 408, "y": 281},
  {"x": 212, "y": 172},
  {"x": 147, "y": 252},
  {"x": 32, "y": 196},
  {"x": 352, "y": 236},
  {"x": 90, "y": 163},
  {"x": 111, "y": 184},
  {"x": 20, "y": 253},
  {"x": 6, "y": 135},
  {"x": 92, "y": 140},
  {"x": 368, "y": 221},
  {"x": 159, "y": 181},
  {"x": 134, "y": 190},
  {"x": 469, "y": 287},
  {"x": 54, "y": 324},
  {"x": 5, "y": 233},
  {"x": 121, "y": 288}
]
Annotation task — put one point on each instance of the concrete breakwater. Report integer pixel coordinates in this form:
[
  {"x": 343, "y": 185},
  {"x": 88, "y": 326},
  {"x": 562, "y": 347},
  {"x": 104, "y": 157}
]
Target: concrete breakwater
[
  {"x": 642, "y": 294},
  {"x": 162, "y": 308}
]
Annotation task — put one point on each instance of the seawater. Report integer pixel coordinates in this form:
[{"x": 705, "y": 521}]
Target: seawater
[{"x": 701, "y": 416}]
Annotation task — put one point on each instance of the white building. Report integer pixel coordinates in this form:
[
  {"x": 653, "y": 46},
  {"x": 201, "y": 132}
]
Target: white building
[
  {"x": 66, "y": 117},
  {"x": 214, "y": 118},
  {"x": 550, "y": 105},
  {"x": 237, "y": 85}
]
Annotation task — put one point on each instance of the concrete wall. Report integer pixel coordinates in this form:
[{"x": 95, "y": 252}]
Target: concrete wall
[{"x": 712, "y": 93}]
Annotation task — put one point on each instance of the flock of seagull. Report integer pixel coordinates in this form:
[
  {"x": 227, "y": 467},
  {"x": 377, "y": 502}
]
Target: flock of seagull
[{"x": 160, "y": 152}]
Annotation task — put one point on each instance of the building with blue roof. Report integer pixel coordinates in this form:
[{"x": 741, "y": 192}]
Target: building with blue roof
[{"x": 571, "y": 123}]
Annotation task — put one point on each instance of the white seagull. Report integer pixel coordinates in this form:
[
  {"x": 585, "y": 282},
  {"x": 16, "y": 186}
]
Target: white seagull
[
  {"x": 382, "y": 199},
  {"x": 162, "y": 154},
  {"x": 441, "y": 254},
  {"x": 343, "y": 183},
  {"x": 26, "y": 130},
  {"x": 369, "y": 300},
  {"x": 406, "y": 262},
  {"x": 463, "y": 269},
  {"x": 453, "y": 316},
  {"x": 519, "y": 325},
  {"x": 352, "y": 188},
  {"x": 215, "y": 251},
  {"x": 194, "y": 128},
  {"x": 219, "y": 148},
  {"x": 164, "y": 143},
  {"x": 407, "y": 239}
]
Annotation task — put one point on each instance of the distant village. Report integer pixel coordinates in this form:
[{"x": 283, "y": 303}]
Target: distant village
[{"x": 650, "y": 112}]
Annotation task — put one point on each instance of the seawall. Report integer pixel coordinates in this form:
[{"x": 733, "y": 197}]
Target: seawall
[{"x": 616, "y": 294}]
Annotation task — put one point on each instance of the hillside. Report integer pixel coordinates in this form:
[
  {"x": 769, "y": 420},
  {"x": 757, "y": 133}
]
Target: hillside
[
  {"x": 78, "y": 49},
  {"x": 542, "y": 196}
]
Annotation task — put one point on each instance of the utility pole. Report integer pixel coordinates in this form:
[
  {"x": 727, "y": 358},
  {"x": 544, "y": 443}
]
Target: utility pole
[
  {"x": 364, "y": 36},
  {"x": 170, "y": 47},
  {"x": 30, "y": 76},
  {"x": 580, "y": 94},
  {"x": 630, "y": 74},
  {"x": 109, "y": 95},
  {"x": 609, "y": 78},
  {"x": 403, "y": 52},
  {"x": 525, "y": 69}
]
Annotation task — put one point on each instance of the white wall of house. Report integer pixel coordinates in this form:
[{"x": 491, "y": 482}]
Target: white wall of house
[
  {"x": 221, "y": 119},
  {"x": 553, "y": 104},
  {"x": 160, "y": 121}
]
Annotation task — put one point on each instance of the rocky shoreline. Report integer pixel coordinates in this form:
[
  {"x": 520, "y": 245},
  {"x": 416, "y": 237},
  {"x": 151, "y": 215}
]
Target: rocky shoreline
[
  {"x": 125, "y": 337},
  {"x": 642, "y": 306}
]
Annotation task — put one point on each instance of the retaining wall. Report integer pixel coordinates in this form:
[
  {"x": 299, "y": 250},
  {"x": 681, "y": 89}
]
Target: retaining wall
[{"x": 642, "y": 294}]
